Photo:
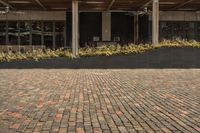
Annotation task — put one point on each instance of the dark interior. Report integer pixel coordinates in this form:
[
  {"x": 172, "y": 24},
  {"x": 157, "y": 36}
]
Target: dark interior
[
  {"x": 90, "y": 26},
  {"x": 122, "y": 26}
]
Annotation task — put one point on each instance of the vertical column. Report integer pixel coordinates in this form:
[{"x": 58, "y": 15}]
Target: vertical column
[
  {"x": 136, "y": 29},
  {"x": 7, "y": 39},
  {"x": 54, "y": 35},
  {"x": 65, "y": 35},
  {"x": 42, "y": 35},
  {"x": 106, "y": 26},
  {"x": 75, "y": 28},
  {"x": 30, "y": 37},
  {"x": 18, "y": 35},
  {"x": 155, "y": 22}
]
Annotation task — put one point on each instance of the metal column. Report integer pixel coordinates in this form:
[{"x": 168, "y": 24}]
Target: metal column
[
  {"x": 136, "y": 29},
  {"x": 106, "y": 26},
  {"x": 155, "y": 22},
  {"x": 75, "y": 28}
]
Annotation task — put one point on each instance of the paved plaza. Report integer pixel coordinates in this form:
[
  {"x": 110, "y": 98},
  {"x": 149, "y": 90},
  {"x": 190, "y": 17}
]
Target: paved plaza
[{"x": 118, "y": 101}]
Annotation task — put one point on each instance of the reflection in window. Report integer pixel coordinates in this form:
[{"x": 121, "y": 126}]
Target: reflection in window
[
  {"x": 13, "y": 31},
  {"x": 189, "y": 30},
  {"x": 36, "y": 32},
  {"x": 59, "y": 34},
  {"x": 183, "y": 30},
  {"x": 20, "y": 33},
  {"x": 166, "y": 30},
  {"x": 48, "y": 34},
  {"x": 25, "y": 33},
  {"x": 2, "y": 33},
  {"x": 178, "y": 30}
]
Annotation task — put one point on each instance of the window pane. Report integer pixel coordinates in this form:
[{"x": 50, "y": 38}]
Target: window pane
[
  {"x": 13, "y": 28},
  {"x": 2, "y": 33},
  {"x": 25, "y": 33},
  {"x": 189, "y": 30},
  {"x": 178, "y": 30},
  {"x": 166, "y": 30},
  {"x": 48, "y": 34},
  {"x": 36, "y": 32},
  {"x": 59, "y": 34}
]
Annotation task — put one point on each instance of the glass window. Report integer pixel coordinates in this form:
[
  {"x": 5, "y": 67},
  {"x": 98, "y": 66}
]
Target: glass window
[
  {"x": 2, "y": 33},
  {"x": 36, "y": 32},
  {"x": 183, "y": 30},
  {"x": 166, "y": 30},
  {"x": 13, "y": 32},
  {"x": 25, "y": 33},
  {"x": 48, "y": 34},
  {"x": 59, "y": 34},
  {"x": 178, "y": 30},
  {"x": 189, "y": 30}
]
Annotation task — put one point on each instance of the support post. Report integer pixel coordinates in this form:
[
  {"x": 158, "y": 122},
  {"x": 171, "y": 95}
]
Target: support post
[
  {"x": 42, "y": 36},
  {"x": 106, "y": 26},
  {"x": 155, "y": 22},
  {"x": 30, "y": 37},
  {"x": 65, "y": 36},
  {"x": 54, "y": 35},
  {"x": 7, "y": 37},
  {"x": 18, "y": 35},
  {"x": 136, "y": 29},
  {"x": 75, "y": 28}
]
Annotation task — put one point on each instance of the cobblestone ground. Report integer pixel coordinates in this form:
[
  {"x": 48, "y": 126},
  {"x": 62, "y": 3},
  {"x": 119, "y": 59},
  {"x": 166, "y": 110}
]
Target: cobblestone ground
[{"x": 99, "y": 101}]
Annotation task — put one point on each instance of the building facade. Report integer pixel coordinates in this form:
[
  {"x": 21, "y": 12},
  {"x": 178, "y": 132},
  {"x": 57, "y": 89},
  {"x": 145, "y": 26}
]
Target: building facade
[{"x": 56, "y": 29}]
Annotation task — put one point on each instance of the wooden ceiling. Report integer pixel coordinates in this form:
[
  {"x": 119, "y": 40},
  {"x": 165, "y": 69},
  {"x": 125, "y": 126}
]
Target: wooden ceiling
[{"x": 100, "y": 5}]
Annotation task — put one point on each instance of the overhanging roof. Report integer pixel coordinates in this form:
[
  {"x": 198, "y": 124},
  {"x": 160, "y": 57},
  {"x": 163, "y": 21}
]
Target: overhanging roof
[{"x": 100, "y": 5}]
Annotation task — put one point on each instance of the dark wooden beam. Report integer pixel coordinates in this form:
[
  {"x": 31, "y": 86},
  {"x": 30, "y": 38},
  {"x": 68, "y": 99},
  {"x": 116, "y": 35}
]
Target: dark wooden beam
[
  {"x": 182, "y": 4},
  {"x": 110, "y": 5},
  {"x": 41, "y": 5},
  {"x": 6, "y": 4},
  {"x": 145, "y": 5}
]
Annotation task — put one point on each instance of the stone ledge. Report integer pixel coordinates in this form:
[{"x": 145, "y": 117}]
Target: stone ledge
[{"x": 159, "y": 58}]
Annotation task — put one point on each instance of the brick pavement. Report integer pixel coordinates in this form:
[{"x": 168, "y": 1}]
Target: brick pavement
[{"x": 43, "y": 101}]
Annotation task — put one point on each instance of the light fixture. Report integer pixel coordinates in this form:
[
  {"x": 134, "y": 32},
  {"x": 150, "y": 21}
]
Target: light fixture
[
  {"x": 167, "y": 3},
  {"x": 59, "y": 8},
  {"x": 186, "y": 9},
  {"x": 94, "y": 2},
  {"x": 19, "y": 2},
  {"x": 123, "y": 8}
]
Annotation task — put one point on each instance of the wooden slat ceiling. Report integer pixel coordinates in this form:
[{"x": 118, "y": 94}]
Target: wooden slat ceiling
[{"x": 101, "y": 5}]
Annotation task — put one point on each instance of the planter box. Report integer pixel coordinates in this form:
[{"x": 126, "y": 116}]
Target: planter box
[{"x": 159, "y": 58}]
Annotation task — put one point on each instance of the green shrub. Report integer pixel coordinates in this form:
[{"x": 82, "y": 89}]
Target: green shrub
[{"x": 104, "y": 50}]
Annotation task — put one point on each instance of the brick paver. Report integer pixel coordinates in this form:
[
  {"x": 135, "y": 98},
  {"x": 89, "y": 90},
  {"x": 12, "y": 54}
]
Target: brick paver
[{"x": 84, "y": 101}]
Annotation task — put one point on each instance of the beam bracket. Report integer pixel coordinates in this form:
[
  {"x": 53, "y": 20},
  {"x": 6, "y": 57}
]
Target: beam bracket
[{"x": 110, "y": 5}]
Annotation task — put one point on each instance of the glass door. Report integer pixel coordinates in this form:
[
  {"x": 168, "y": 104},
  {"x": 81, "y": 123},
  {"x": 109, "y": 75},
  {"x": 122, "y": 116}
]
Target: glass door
[
  {"x": 59, "y": 34},
  {"x": 48, "y": 34},
  {"x": 25, "y": 29},
  {"x": 13, "y": 32},
  {"x": 166, "y": 30},
  {"x": 2, "y": 33},
  {"x": 189, "y": 28},
  {"x": 36, "y": 33},
  {"x": 178, "y": 31}
]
